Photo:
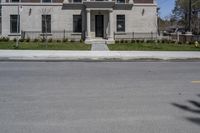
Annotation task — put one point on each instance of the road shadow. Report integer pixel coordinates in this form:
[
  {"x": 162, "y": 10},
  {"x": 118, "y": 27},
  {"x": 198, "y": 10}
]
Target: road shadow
[{"x": 192, "y": 107}]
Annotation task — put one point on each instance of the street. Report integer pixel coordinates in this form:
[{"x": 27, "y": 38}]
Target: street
[{"x": 99, "y": 97}]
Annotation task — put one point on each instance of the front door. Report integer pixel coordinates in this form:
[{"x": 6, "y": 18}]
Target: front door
[{"x": 99, "y": 25}]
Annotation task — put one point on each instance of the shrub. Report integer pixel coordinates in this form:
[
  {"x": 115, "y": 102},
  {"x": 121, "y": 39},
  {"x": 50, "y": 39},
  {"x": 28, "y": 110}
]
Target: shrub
[
  {"x": 65, "y": 40},
  {"x": 179, "y": 42},
  {"x": 4, "y": 39},
  {"x": 58, "y": 41},
  {"x": 126, "y": 41},
  {"x": 117, "y": 41},
  {"x": 150, "y": 41},
  {"x": 43, "y": 40},
  {"x": 137, "y": 41},
  {"x": 21, "y": 39},
  {"x": 50, "y": 40},
  {"x": 81, "y": 40},
  {"x": 35, "y": 40},
  {"x": 72, "y": 40},
  {"x": 122, "y": 41},
  {"x": 132, "y": 41},
  {"x": 141, "y": 41},
  {"x": 14, "y": 40},
  {"x": 28, "y": 40}
]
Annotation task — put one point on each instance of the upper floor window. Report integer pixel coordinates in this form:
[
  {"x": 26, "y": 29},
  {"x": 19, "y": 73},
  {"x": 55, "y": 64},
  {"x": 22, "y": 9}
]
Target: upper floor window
[
  {"x": 120, "y": 1},
  {"x": 46, "y": 1},
  {"x": 120, "y": 23}
]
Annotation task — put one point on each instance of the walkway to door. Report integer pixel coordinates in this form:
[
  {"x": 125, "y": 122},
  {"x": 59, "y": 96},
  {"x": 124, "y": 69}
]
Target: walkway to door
[{"x": 99, "y": 46}]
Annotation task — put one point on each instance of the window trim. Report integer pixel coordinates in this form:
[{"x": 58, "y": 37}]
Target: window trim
[
  {"x": 124, "y": 23},
  {"x": 47, "y": 24},
  {"x": 11, "y": 29},
  {"x": 74, "y": 24}
]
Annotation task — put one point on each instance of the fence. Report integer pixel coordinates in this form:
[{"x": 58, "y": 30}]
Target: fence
[
  {"x": 136, "y": 36},
  {"x": 54, "y": 35},
  {"x": 184, "y": 37}
]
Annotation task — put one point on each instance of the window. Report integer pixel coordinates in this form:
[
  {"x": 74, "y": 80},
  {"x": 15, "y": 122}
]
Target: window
[
  {"x": 13, "y": 24},
  {"x": 46, "y": 1},
  {"x": 15, "y": 1},
  {"x": 46, "y": 23},
  {"x": 77, "y": 23},
  {"x": 120, "y": 23},
  {"x": 77, "y": 1},
  {"x": 120, "y": 1}
]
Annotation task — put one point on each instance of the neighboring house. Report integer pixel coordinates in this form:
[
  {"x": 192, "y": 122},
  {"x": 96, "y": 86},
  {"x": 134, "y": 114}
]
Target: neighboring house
[{"x": 86, "y": 19}]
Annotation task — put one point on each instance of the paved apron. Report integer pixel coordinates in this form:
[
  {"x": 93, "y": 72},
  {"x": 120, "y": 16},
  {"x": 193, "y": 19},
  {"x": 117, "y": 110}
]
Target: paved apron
[{"x": 99, "y": 47}]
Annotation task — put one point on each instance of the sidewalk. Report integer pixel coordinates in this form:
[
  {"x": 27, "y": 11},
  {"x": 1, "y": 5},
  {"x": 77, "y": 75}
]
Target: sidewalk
[{"x": 53, "y": 55}]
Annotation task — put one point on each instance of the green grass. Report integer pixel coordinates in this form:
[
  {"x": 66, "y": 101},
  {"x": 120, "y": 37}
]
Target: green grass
[
  {"x": 152, "y": 47},
  {"x": 42, "y": 46}
]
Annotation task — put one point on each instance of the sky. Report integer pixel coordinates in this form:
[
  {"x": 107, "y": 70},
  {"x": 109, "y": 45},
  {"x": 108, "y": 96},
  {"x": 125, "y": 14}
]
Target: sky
[{"x": 166, "y": 7}]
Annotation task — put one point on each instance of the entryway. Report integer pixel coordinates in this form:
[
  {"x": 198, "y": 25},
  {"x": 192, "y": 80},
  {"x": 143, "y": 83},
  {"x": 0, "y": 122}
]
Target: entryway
[{"x": 99, "y": 26}]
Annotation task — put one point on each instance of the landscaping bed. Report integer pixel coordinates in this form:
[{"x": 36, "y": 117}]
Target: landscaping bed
[
  {"x": 144, "y": 46},
  {"x": 39, "y": 45}
]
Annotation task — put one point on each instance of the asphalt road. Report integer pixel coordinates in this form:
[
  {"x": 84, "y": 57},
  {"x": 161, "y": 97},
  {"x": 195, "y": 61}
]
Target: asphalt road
[{"x": 99, "y": 97}]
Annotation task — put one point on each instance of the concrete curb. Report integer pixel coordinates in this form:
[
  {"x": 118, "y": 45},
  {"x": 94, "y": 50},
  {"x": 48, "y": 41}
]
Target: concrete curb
[{"x": 53, "y": 55}]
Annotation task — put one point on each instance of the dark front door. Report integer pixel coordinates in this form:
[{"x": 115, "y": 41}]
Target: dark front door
[{"x": 99, "y": 25}]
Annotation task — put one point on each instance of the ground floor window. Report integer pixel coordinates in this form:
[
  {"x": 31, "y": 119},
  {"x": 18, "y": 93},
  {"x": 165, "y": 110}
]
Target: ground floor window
[
  {"x": 120, "y": 23},
  {"x": 14, "y": 24},
  {"x": 46, "y": 23},
  {"x": 120, "y": 1},
  {"x": 77, "y": 23}
]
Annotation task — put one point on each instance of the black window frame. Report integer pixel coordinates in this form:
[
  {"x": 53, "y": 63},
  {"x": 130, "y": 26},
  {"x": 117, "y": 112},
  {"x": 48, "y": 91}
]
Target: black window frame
[
  {"x": 121, "y": 19},
  {"x": 121, "y": 1},
  {"x": 77, "y": 1},
  {"x": 77, "y": 23},
  {"x": 14, "y": 1},
  {"x": 48, "y": 23},
  {"x": 46, "y": 1},
  {"x": 13, "y": 23}
]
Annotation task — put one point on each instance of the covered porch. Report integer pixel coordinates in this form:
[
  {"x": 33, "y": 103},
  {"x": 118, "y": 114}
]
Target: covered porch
[{"x": 99, "y": 25}]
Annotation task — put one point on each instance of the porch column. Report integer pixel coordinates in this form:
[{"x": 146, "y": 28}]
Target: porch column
[
  {"x": 88, "y": 24},
  {"x": 110, "y": 36}
]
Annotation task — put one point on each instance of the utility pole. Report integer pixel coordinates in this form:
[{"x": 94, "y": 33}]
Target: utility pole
[{"x": 190, "y": 15}]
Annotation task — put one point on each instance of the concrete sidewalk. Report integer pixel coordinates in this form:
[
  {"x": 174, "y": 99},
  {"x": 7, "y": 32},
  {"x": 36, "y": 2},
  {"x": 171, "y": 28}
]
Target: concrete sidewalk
[{"x": 53, "y": 55}]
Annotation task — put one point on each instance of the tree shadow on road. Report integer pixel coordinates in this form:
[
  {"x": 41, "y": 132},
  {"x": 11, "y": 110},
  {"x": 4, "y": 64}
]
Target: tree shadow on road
[{"x": 193, "y": 107}]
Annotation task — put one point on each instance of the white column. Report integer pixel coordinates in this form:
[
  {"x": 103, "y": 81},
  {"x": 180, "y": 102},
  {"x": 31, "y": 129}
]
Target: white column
[
  {"x": 88, "y": 24},
  {"x": 110, "y": 36}
]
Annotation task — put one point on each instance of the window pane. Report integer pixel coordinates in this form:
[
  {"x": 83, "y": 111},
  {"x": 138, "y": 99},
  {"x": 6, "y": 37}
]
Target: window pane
[
  {"x": 121, "y": 23},
  {"x": 77, "y": 23},
  {"x": 120, "y": 1},
  {"x": 46, "y": 1},
  {"x": 77, "y": 1},
  {"x": 46, "y": 23},
  {"x": 14, "y": 0},
  {"x": 13, "y": 24}
]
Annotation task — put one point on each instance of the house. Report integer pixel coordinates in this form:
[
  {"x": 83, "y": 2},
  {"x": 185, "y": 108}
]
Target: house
[{"x": 87, "y": 19}]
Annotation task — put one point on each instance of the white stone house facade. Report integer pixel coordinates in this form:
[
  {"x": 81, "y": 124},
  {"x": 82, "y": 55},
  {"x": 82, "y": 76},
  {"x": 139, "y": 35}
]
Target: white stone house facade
[{"x": 87, "y": 19}]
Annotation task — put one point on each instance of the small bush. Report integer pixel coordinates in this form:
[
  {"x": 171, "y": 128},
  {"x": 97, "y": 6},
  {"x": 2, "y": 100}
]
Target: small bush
[
  {"x": 126, "y": 41},
  {"x": 142, "y": 41},
  {"x": 14, "y": 40},
  {"x": 21, "y": 40},
  {"x": 50, "y": 40},
  {"x": 150, "y": 41},
  {"x": 137, "y": 41},
  {"x": 65, "y": 40},
  {"x": 121, "y": 41},
  {"x": 72, "y": 40},
  {"x": 132, "y": 41},
  {"x": 179, "y": 42},
  {"x": 58, "y": 41},
  {"x": 81, "y": 40},
  {"x": 43, "y": 40},
  {"x": 117, "y": 41},
  {"x": 36, "y": 40},
  {"x": 28, "y": 40},
  {"x": 4, "y": 39}
]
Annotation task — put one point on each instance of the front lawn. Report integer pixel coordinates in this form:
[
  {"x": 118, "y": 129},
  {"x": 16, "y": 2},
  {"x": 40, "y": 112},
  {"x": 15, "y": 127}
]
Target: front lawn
[
  {"x": 42, "y": 46},
  {"x": 152, "y": 47}
]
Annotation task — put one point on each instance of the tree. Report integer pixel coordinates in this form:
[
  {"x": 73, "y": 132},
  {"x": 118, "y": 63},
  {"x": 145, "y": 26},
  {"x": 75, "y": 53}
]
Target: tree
[{"x": 181, "y": 13}]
